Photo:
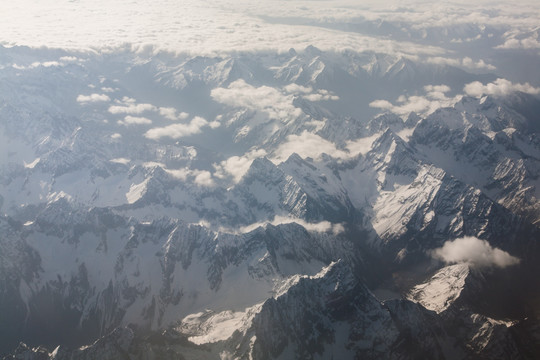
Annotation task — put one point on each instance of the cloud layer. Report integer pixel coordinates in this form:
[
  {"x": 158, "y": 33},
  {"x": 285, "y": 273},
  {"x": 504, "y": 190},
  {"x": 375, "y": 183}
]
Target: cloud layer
[
  {"x": 498, "y": 88},
  {"x": 475, "y": 252},
  {"x": 242, "y": 25}
]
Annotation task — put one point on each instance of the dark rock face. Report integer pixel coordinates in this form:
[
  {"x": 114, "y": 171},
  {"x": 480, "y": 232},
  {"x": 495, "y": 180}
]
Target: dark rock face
[{"x": 263, "y": 233}]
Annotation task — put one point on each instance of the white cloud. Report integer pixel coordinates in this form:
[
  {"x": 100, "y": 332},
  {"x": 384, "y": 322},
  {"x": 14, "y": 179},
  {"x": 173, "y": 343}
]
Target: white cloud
[
  {"x": 320, "y": 96},
  {"x": 199, "y": 177},
  {"x": 177, "y": 131},
  {"x": 168, "y": 112},
  {"x": 530, "y": 42},
  {"x": 237, "y": 166},
  {"x": 116, "y": 136},
  {"x": 321, "y": 227},
  {"x": 203, "y": 178},
  {"x": 465, "y": 62},
  {"x": 240, "y": 25},
  {"x": 435, "y": 92},
  {"x": 92, "y": 98},
  {"x": 69, "y": 59},
  {"x": 361, "y": 145},
  {"x": 434, "y": 99},
  {"x": 480, "y": 64},
  {"x": 383, "y": 104},
  {"x": 214, "y": 124},
  {"x": 297, "y": 89},
  {"x": 171, "y": 113},
  {"x": 134, "y": 120},
  {"x": 45, "y": 64},
  {"x": 128, "y": 100},
  {"x": 475, "y": 252},
  {"x": 501, "y": 87},
  {"x": 123, "y": 161},
  {"x": 307, "y": 145},
  {"x": 264, "y": 99},
  {"x": 133, "y": 109},
  {"x": 437, "y": 88},
  {"x": 307, "y": 93},
  {"x": 224, "y": 26}
]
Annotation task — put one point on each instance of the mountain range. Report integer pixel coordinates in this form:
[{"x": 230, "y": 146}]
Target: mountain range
[{"x": 305, "y": 204}]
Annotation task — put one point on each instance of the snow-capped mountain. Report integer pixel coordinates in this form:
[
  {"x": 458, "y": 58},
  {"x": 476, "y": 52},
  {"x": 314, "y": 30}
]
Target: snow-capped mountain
[{"x": 274, "y": 206}]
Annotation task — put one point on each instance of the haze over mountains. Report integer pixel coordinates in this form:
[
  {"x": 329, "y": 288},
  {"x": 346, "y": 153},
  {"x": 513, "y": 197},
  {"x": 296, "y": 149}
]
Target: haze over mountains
[{"x": 288, "y": 179}]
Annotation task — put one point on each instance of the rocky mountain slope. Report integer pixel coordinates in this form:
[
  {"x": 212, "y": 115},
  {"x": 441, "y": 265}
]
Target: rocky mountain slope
[{"x": 281, "y": 206}]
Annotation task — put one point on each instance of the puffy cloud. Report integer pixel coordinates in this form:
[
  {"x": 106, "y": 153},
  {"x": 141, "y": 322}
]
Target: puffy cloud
[
  {"x": 116, "y": 136},
  {"x": 133, "y": 109},
  {"x": 307, "y": 92},
  {"x": 237, "y": 166},
  {"x": 203, "y": 178},
  {"x": 480, "y": 64},
  {"x": 501, "y": 87},
  {"x": 134, "y": 120},
  {"x": 171, "y": 114},
  {"x": 530, "y": 42},
  {"x": 214, "y": 124},
  {"x": 199, "y": 177},
  {"x": 320, "y": 96},
  {"x": 307, "y": 145},
  {"x": 168, "y": 112},
  {"x": 436, "y": 92},
  {"x": 92, "y": 98},
  {"x": 434, "y": 99},
  {"x": 383, "y": 104},
  {"x": 177, "y": 131},
  {"x": 437, "y": 88},
  {"x": 297, "y": 89},
  {"x": 475, "y": 252},
  {"x": 264, "y": 99}
]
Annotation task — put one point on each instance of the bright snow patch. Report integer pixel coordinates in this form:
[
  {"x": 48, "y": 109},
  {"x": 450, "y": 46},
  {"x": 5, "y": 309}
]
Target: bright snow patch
[
  {"x": 210, "y": 327},
  {"x": 439, "y": 292},
  {"x": 32, "y": 164},
  {"x": 136, "y": 191}
]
